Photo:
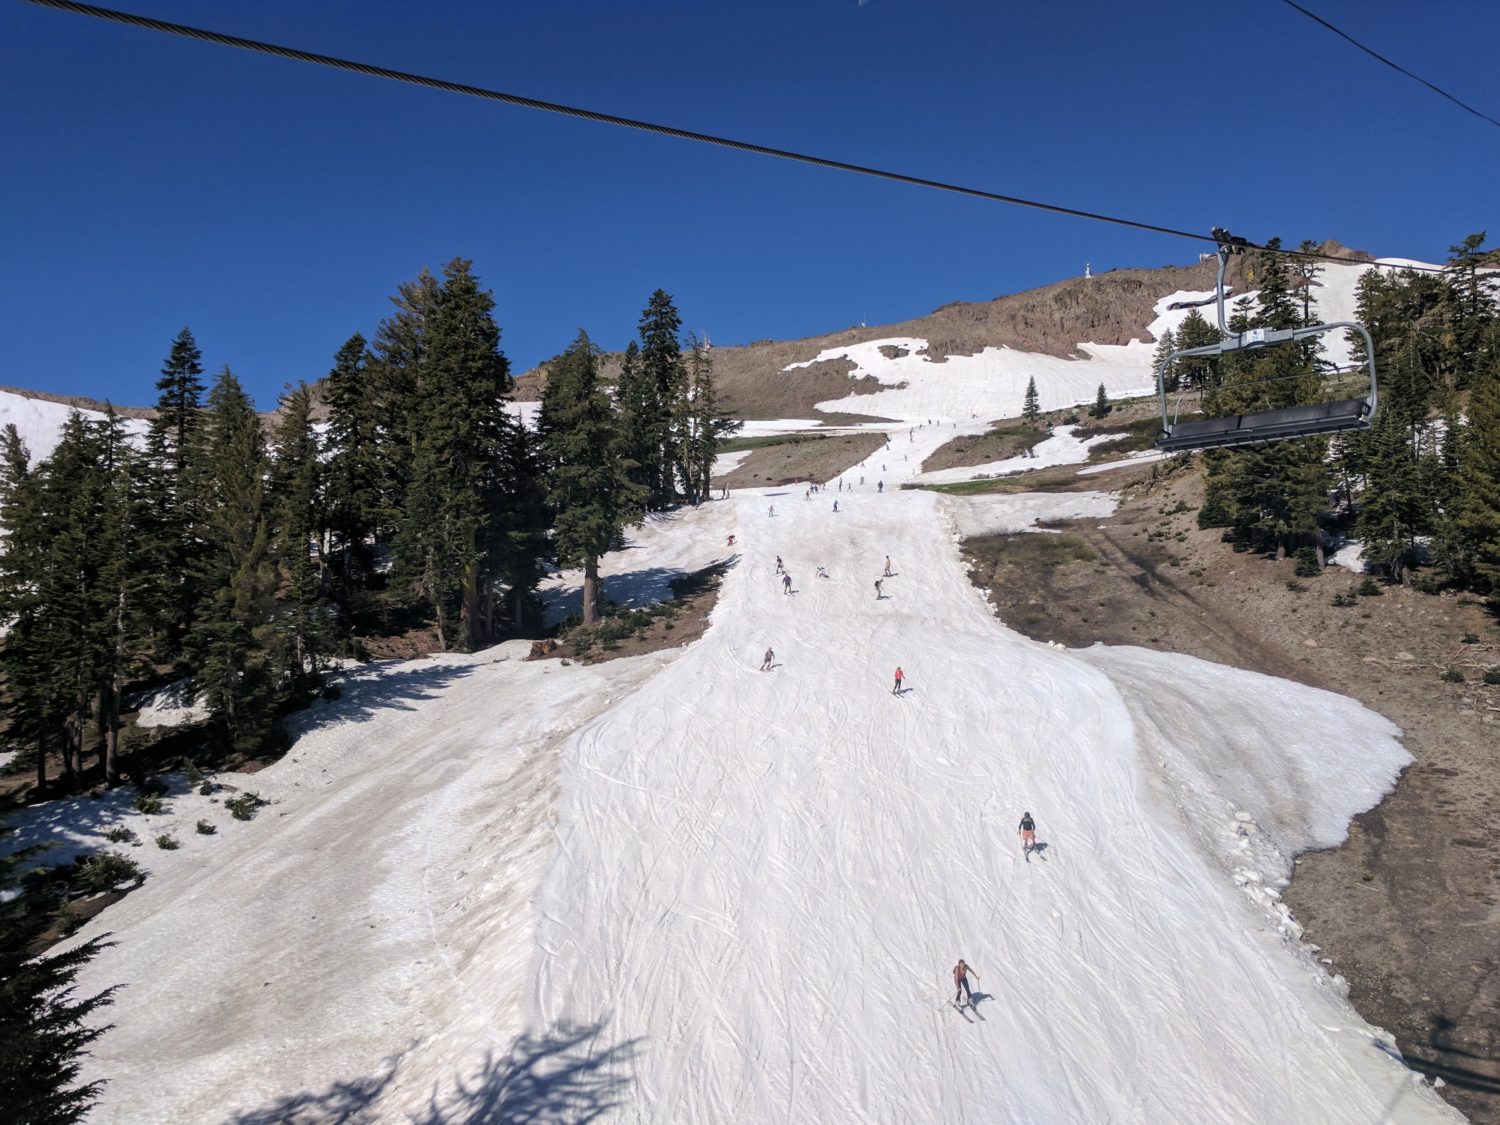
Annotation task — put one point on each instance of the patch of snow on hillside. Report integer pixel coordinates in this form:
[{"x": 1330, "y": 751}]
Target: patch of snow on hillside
[
  {"x": 171, "y": 706},
  {"x": 40, "y": 422}
]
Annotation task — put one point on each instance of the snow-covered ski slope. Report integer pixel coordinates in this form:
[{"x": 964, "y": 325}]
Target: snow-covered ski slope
[
  {"x": 992, "y": 383},
  {"x": 677, "y": 888}
]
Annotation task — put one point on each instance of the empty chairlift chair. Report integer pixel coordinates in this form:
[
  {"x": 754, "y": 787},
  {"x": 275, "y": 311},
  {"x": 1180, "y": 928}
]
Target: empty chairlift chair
[{"x": 1266, "y": 425}]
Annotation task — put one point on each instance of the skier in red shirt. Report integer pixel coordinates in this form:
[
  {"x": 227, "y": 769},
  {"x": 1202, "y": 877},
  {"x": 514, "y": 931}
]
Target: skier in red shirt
[{"x": 900, "y": 675}]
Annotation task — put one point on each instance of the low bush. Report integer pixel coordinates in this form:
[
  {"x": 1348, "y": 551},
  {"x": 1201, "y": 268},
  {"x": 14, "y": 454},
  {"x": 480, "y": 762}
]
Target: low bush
[
  {"x": 1343, "y": 601},
  {"x": 1369, "y": 588},
  {"x": 166, "y": 843},
  {"x": 1307, "y": 563},
  {"x": 1471, "y": 638},
  {"x": 119, "y": 834},
  {"x": 1452, "y": 676},
  {"x": 1492, "y": 676},
  {"x": 245, "y": 806},
  {"x": 104, "y": 871},
  {"x": 205, "y": 828},
  {"x": 148, "y": 803}
]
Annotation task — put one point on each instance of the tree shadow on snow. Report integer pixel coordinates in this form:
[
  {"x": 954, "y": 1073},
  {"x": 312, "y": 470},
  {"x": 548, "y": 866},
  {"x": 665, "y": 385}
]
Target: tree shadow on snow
[
  {"x": 367, "y": 690},
  {"x": 564, "y": 1076},
  {"x": 631, "y": 589}
]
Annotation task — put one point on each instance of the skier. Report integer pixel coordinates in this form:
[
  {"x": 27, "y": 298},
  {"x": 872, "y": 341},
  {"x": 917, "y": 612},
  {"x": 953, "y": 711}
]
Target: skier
[
  {"x": 878, "y": 594},
  {"x": 900, "y": 676},
  {"x": 822, "y": 572},
  {"x": 779, "y": 568},
  {"x": 765, "y": 665},
  {"x": 880, "y": 484},
  {"x": 887, "y": 567},
  {"x": 771, "y": 510},
  {"x": 729, "y": 542},
  {"x": 786, "y": 583},
  {"x": 835, "y": 505},
  {"x": 1028, "y": 833},
  {"x": 961, "y": 973}
]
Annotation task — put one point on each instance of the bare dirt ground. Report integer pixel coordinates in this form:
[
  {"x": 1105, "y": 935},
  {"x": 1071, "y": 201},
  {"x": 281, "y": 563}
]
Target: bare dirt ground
[
  {"x": 1408, "y": 910},
  {"x": 820, "y": 460}
]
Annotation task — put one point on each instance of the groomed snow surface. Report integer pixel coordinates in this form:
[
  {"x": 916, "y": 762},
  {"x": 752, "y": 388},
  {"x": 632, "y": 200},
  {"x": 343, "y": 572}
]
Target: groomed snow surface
[
  {"x": 675, "y": 888},
  {"x": 681, "y": 889}
]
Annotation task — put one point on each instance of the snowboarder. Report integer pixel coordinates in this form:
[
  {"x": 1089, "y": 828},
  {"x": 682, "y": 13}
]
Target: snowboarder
[
  {"x": 786, "y": 583},
  {"x": 887, "y": 573},
  {"x": 961, "y": 973},
  {"x": 900, "y": 676},
  {"x": 1028, "y": 833},
  {"x": 765, "y": 665},
  {"x": 878, "y": 594}
]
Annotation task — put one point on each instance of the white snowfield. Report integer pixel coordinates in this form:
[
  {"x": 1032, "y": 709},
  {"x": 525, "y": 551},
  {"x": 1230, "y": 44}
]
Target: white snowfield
[
  {"x": 39, "y": 422},
  {"x": 676, "y": 888}
]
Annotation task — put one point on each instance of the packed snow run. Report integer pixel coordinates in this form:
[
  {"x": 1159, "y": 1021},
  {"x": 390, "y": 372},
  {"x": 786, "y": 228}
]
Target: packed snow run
[
  {"x": 678, "y": 888},
  {"x": 675, "y": 887}
]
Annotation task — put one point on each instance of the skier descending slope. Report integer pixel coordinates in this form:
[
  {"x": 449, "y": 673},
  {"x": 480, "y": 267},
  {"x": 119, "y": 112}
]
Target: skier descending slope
[
  {"x": 961, "y": 973},
  {"x": 900, "y": 678},
  {"x": 1028, "y": 833}
]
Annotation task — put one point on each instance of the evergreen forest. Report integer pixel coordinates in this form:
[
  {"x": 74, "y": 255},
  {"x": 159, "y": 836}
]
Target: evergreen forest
[{"x": 242, "y": 554}]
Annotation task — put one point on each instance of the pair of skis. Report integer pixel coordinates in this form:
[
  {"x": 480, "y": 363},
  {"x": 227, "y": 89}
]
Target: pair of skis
[{"x": 965, "y": 1009}]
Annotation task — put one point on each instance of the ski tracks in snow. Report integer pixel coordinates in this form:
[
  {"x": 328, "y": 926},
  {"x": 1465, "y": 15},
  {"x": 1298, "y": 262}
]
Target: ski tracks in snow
[{"x": 765, "y": 876}]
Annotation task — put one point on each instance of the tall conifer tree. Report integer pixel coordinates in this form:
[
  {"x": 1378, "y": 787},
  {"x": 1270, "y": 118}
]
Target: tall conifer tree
[{"x": 589, "y": 482}]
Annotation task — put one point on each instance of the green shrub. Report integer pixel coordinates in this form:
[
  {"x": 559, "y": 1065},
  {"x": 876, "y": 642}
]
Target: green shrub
[
  {"x": 1369, "y": 588},
  {"x": 206, "y": 788},
  {"x": 1452, "y": 676},
  {"x": 1471, "y": 638},
  {"x": 1343, "y": 601},
  {"x": 104, "y": 871},
  {"x": 119, "y": 834},
  {"x": 245, "y": 806},
  {"x": 1492, "y": 676},
  {"x": 205, "y": 828},
  {"x": 166, "y": 843},
  {"x": 1307, "y": 562},
  {"x": 1294, "y": 586},
  {"x": 148, "y": 803}
]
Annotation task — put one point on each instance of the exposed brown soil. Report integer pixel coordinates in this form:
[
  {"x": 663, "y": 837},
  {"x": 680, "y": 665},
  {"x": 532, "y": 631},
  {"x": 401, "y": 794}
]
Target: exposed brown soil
[
  {"x": 694, "y": 597},
  {"x": 820, "y": 460},
  {"x": 1002, "y": 440},
  {"x": 1408, "y": 910}
]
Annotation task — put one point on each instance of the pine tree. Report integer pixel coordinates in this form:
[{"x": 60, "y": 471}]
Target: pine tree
[
  {"x": 234, "y": 633},
  {"x": 706, "y": 425},
  {"x": 24, "y": 661},
  {"x": 44, "y": 1030},
  {"x": 462, "y": 432},
  {"x": 1029, "y": 409},
  {"x": 1195, "y": 332},
  {"x": 662, "y": 369},
  {"x": 356, "y": 463},
  {"x": 636, "y": 399},
  {"x": 174, "y": 448},
  {"x": 1101, "y": 403},
  {"x": 1478, "y": 516},
  {"x": 398, "y": 371},
  {"x": 1471, "y": 312},
  {"x": 588, "y": 479},
  {"x": 1165, "y": 373},
  {"x": 297, "y": 522}
]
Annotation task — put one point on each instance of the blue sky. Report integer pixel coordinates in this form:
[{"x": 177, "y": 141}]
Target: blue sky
[{"x": 149, "y": 182}]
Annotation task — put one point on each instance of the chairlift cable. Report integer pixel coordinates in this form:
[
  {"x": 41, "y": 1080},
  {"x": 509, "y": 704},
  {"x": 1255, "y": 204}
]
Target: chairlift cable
[
  {"x": 1393, "y": 65},
  {"x": 295, "y": 54}
]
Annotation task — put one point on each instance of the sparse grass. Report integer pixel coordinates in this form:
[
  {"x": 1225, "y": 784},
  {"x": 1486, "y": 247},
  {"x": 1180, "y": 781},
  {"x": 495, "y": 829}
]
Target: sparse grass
[
  {"x": 740, "y": 444},
  {"x": 995, "y": 557},
  {"x": 996, "y": 444}
]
